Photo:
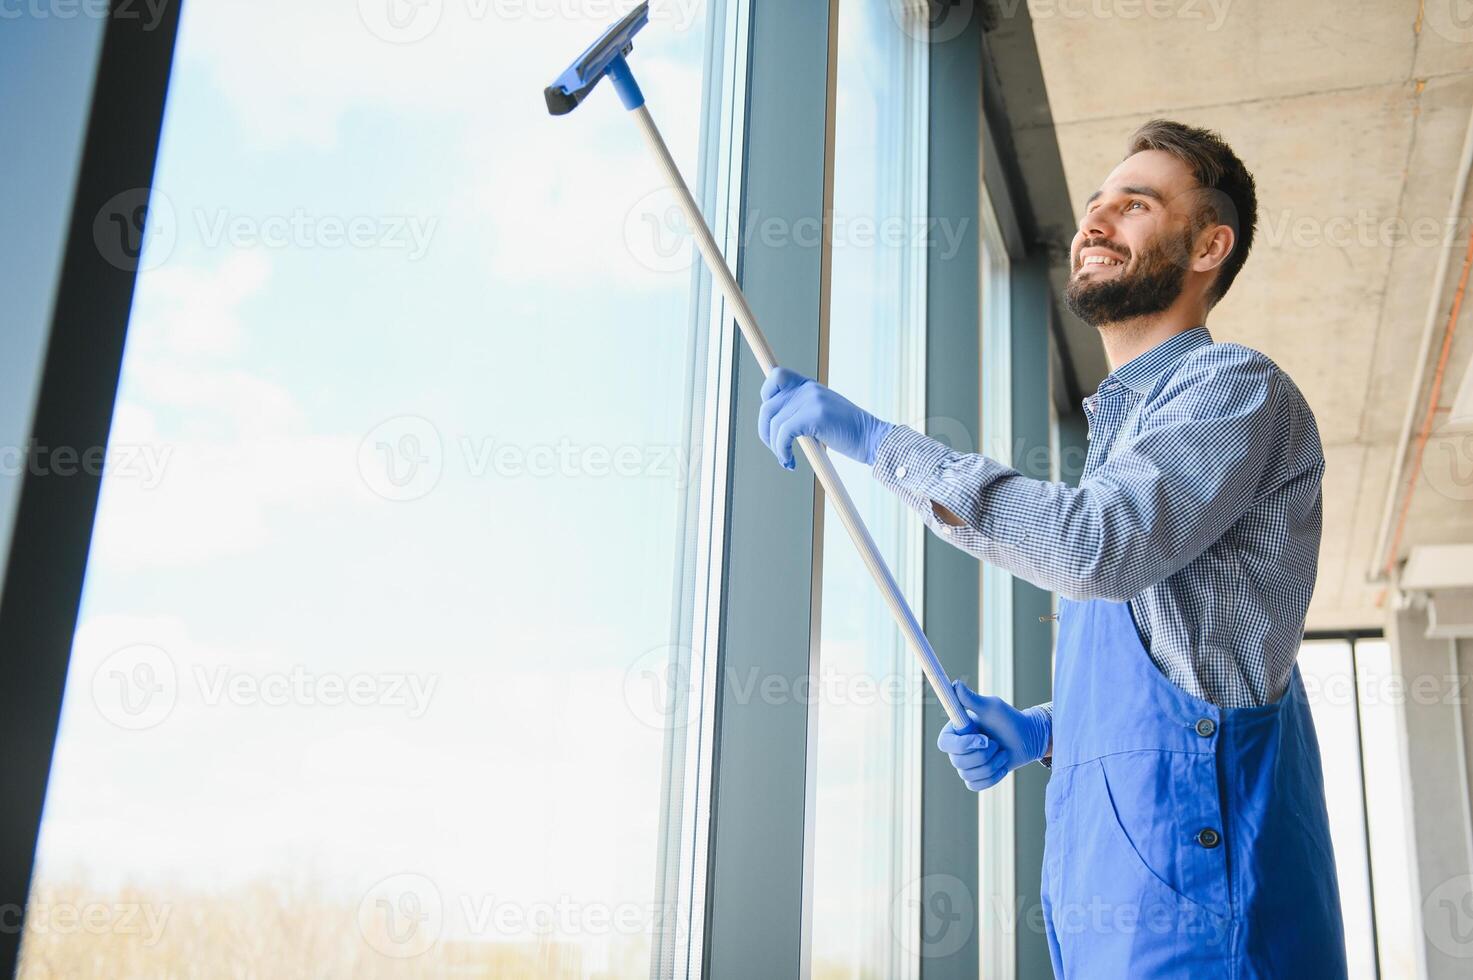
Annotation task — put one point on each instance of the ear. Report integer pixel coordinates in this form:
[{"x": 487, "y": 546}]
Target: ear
[{"x": 1214, "y": 245}]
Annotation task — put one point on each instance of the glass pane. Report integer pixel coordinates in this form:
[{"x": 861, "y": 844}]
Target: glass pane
[
  {"x": 355, "y": 688},
  {"x": 1382, "y": 739},
  {"x": 1330, "y": 682},
  {"x": 995, "y": 664},
  {"x": 868, "y": 710}
]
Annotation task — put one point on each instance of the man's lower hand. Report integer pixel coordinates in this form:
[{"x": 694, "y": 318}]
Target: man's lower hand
[{"x": 1006, "y": 738}]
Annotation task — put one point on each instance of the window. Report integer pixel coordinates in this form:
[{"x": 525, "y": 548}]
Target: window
[
  {"x": 868, "y": 710},
  {"x": 359, "y": 683},
  {"x": 995, "y": 659},
  {"x": 1355, "y": 696}
]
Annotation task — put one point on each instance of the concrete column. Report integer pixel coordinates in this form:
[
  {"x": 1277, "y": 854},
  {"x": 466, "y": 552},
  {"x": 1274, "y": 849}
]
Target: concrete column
[{"x": 1435, "y": 723}]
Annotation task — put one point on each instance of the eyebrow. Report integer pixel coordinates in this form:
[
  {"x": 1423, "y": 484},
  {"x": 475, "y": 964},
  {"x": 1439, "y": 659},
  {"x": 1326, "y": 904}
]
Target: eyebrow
[{"x": 1141, "y": 190}]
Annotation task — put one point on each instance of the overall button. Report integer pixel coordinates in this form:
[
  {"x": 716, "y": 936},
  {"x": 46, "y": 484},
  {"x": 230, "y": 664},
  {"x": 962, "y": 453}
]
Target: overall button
[
  {"x": 1205, "y": 728},
  {"x": 1208, "y": 837}
]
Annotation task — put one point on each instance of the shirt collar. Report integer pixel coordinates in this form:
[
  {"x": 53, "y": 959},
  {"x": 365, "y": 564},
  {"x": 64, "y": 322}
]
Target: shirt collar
[{"x": 1141, "y": 371}]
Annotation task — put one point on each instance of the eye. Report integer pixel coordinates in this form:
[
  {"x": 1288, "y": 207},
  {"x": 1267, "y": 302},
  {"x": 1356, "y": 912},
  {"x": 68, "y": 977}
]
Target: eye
[{"x": 1132, "y": 204}]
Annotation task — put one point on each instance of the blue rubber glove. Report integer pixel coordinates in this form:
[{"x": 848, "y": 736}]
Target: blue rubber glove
[
  {"x": 1008, "y": 738},
  {"x": 794, "y": 406}
]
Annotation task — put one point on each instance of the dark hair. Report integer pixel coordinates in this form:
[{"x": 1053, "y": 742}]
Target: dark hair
[{"x": 1231, "y": 200}]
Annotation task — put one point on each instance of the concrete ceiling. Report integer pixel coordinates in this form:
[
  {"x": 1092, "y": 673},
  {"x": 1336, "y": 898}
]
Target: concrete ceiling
[{"x": 1352, "y": 117}]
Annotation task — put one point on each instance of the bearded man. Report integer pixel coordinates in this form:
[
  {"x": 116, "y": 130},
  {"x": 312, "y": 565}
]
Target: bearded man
[{"x": 1186, "y": 825}]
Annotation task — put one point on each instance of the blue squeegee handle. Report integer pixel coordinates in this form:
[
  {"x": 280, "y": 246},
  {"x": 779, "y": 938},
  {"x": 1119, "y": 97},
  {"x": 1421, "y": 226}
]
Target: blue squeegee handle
[
  {"x": 624, "y": 83},
  {"x": 817, "y": 455}
]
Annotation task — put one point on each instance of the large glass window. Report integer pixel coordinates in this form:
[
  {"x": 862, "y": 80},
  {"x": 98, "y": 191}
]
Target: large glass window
[
  {"x": 867, "y": 713},
  {"x": 1383, "y": 750},
  {"x": 995, "y": 659},
  {"x": 1355, "y": 698},
  {"x": 359, "y": 682},
  {"x": 1329, "y": 675}
]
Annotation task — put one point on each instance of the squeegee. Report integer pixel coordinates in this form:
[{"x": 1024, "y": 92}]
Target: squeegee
[{"x": 609, "y": 55}]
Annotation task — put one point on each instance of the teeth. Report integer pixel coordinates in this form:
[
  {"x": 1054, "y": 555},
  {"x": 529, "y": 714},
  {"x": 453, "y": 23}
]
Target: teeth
[{"x": 1100, "y": 260}]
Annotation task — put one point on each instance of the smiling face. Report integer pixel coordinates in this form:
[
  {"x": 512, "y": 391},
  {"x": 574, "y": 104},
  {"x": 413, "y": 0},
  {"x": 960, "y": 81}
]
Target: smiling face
[{"x": 1135, "y": 249}]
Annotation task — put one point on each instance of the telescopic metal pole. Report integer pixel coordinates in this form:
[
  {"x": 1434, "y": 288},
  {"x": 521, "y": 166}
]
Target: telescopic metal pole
[{"x": 817, "y": 455}]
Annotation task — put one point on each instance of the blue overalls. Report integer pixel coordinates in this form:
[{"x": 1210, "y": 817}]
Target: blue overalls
[{"x": 1184, "y": 839}]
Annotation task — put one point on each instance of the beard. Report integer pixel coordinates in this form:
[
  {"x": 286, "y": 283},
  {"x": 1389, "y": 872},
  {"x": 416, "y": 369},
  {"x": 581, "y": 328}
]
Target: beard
[{"x": 1150, "y": 288}]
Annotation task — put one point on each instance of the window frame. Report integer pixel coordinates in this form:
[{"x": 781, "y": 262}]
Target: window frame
[
  {"x": 73, "y": 400},
  {"x": 758, "y": 855},
  {"x": 1351, "y": 638}
]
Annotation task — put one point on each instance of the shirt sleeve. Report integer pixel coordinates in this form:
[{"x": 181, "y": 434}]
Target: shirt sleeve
[{"x": 1194, "y": 465}]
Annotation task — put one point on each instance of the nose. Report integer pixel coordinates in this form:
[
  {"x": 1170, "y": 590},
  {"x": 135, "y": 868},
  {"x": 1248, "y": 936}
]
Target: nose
[{"x": 1095, "y": 224}]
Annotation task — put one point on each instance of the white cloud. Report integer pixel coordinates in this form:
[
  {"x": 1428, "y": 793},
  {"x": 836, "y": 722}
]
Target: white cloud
[
  {"x": 292, "y": 70},
  {"x": 219, "y": 498},
  {"x": 203, "y": 454},
  {"x": 557, "y": 198},
  {"x": 193, "y": 310}
]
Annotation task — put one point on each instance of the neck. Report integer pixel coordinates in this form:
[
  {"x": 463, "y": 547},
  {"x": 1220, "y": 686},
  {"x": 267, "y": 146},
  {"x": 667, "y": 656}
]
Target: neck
[{"x": 1126, "y": 340}]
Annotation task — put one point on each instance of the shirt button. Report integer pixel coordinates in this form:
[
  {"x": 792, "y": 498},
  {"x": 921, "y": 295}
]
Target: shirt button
[
  {"x": 1205, "y": 727},
  {"x": 900, "y": 472},
  {"x": 1208, "y": 838}
]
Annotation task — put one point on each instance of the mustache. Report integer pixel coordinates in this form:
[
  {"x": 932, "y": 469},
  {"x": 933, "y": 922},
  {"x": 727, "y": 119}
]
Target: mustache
[{"x": 1119, "y": 250}]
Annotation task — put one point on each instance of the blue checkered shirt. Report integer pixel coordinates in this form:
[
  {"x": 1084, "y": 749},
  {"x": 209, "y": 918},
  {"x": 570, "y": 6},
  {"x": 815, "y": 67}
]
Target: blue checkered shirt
[{"x": 1199, "y": 504}]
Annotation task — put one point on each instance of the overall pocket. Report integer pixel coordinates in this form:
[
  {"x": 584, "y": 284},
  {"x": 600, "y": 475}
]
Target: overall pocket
[
  {"x": 1165, "y": 807},
  {"x": 1113, "y": 915}
]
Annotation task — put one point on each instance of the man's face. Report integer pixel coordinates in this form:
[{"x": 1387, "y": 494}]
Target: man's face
[{"x": 1132, "y": 250}]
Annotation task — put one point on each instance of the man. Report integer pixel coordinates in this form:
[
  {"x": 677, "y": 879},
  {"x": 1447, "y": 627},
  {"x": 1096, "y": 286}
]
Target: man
[{"x": 1187, "y": 831}]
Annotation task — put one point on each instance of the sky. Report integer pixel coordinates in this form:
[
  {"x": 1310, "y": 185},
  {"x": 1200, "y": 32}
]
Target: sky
[{"x": 392, "y": 501}]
